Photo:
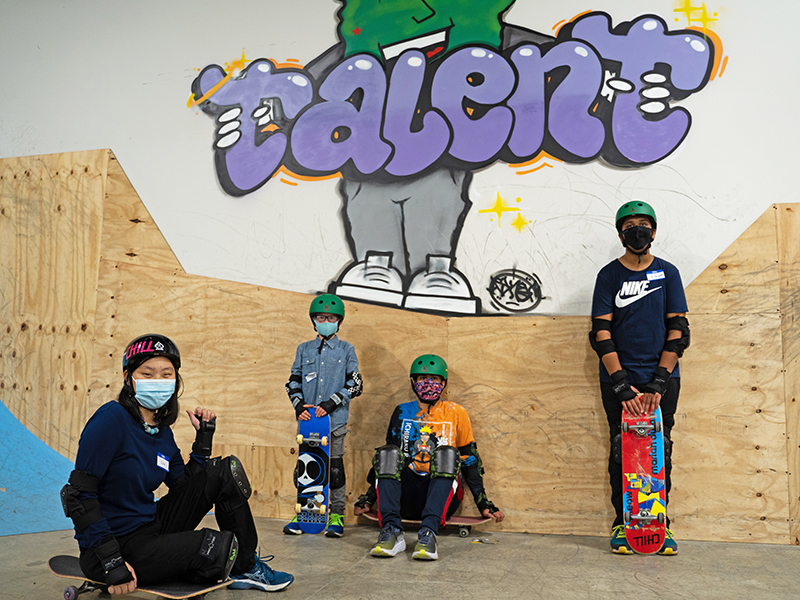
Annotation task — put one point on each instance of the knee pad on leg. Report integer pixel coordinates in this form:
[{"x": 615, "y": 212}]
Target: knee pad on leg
[
  {"x": 616, "y": 448},
  {"x": 219, "y": 549},
  {"x": 667, "y": 450},
  {"x": 388, "y": 462},
  {"x": 445, "y": 462},
  {"x": 228, "y": 484},
  {"x": 337, "y": 473}
]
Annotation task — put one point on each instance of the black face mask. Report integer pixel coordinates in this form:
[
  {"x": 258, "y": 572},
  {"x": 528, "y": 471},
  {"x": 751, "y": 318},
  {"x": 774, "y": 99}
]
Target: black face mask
[{"x": 637, "y": 238}]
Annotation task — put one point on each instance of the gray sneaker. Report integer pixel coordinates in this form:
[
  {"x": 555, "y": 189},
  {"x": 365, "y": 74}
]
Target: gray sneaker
[{"x": 390, "y": 542}]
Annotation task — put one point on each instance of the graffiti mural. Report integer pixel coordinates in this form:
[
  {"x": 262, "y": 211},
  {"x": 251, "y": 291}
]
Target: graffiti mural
[{"x": 417, "y": 96}]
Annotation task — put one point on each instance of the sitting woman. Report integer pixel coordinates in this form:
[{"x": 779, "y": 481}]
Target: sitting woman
[{"x": 126, "y": 451}]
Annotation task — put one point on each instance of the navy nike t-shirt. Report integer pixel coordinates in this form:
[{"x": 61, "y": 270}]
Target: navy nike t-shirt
[{"x": 638, "y": 302}]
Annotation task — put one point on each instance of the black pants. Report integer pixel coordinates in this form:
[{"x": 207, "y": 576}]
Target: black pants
[
  {"x": 613, "y": 408},
  {"x": 168, "y": 548}
]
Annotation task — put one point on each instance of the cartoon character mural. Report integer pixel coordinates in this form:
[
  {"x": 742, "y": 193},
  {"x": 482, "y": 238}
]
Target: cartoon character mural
[{"x": 419, "y": 94}]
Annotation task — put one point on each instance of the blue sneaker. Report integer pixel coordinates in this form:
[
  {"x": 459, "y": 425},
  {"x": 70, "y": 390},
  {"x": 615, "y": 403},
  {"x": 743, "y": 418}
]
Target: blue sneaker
[
  {"x": 292, "y": 528},
  {"x": 261, "y": 577},
  {"x": 670, "y": 547},
  {"x": 335, "y": 526}
]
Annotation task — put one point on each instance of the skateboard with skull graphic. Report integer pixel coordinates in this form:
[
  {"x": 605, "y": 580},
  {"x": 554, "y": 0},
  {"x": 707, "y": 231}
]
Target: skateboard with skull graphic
[{"x": 312, "y": 473}]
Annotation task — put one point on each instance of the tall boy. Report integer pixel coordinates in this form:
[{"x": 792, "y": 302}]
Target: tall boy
[
  {"x": 325, "y": 379},
  {"x": 639, "y": 330}
]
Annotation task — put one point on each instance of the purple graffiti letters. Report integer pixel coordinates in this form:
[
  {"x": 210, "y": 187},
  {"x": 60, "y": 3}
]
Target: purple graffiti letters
[
  {"x": 644, "y": 127},
  {"x": 592, "y": 92},
  {"x": 250, "y": 110},
  {"x": 347, "y": 125},
  {"x": 413, "y": 150},
  {"x": 468, "y": 87}
]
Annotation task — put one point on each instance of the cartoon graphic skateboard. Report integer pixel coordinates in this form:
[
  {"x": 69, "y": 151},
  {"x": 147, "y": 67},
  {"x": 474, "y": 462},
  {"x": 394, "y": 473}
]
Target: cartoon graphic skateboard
[
  {"x": 69, "y": 567},
  {"x": 464, "y": 524},
  {"x": 644, "y": 486},
  {"x": 312, "y": 473}
]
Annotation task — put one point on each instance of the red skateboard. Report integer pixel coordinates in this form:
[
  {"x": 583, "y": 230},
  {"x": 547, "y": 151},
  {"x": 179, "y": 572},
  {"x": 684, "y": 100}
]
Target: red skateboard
[{"x": 644, "y": 489}]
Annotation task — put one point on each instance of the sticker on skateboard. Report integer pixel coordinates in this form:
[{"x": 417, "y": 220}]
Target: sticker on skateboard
[
  {"x": 643, "y": 483},
  {"x": 69, "y": 568},
  {"x": 464, "y": 524},
  {"x": 313, "y": 472}
]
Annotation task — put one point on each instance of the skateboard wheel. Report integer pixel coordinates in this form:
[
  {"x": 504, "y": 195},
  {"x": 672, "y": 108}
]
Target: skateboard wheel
[
  {"x": 299, "y": 438},
  {"x": 626, "y": 516},
  {"x": 624, "y": 428},
  {"x": 463, "y": 530},
  {"x": 71, "y": 593},
  {"x": 658, "y": 427},
  {"x": 322, "y": 509},
  {"x": 324, "y": 440},
  {"x": 297, "y": 508},
  {"x": 662, "y": 518}
]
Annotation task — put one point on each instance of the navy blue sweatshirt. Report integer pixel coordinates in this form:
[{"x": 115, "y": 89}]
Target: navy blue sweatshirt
[{"x": 131, "y": 464}]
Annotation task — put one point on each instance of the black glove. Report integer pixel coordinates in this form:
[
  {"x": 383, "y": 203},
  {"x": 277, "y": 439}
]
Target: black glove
[
  {"x": 659, "y": 383},
  {"x": 204, "y": 437},
  {"x": 622, "y": 388},
  {"x": 299, "y": 408},
  {"x": 112, "y": 562}
]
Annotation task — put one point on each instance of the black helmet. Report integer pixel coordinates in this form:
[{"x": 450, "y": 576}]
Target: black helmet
[{"x": 146, "y": 347}]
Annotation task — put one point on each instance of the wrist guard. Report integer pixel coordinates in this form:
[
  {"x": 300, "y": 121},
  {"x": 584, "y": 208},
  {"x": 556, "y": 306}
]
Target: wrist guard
[
  {"x": 204, "y": 437},
  {"x": 328, "y": 406},
  {"x": 621, "y": 387},
  {"x": 659, "y": 383},
  {"x": 299, "y": 409},
  {"x": 368, "y": 499},
  {"x": 112, "y": 562}
]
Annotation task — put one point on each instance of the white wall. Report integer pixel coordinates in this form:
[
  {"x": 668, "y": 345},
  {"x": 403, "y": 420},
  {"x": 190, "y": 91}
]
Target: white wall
[{"x": 91, "y": 74}]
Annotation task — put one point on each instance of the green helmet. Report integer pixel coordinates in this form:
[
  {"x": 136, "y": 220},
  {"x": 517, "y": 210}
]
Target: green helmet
[
  {"x": 635, "y": 207},
  {"x": 429, "y": 364},
  {"x": 327, "y": 303}
]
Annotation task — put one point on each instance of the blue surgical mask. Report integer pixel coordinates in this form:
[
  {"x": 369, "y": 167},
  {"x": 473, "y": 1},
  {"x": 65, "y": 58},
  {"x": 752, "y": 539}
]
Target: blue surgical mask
[
  {"x": 327, "y": 328},
  {"x": 154, "y": 393}
]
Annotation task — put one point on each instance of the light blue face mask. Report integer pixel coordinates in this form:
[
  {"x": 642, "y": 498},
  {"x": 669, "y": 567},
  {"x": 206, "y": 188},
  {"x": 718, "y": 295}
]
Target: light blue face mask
[
  {"x": 327, "y": 328},
  {"x": 154, "y": 393}
]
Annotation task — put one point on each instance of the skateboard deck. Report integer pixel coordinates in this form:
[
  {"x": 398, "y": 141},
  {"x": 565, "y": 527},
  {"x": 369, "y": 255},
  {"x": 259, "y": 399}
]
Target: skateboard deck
[
  {"x": 464, "y": 524},
  {"x": 643, "y": 483},
  {"x": 69, "y": 567},
  {"x": 313, "y": 472}
]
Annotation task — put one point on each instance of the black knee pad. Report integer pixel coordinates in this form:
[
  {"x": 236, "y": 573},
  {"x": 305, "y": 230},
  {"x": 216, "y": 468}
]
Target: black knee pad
[
  {"x": 219, "y": 549},
  {"x": 388, "y": 462},
  {"x": 616, "y": 448},
  {"x": 337, "y": 473},
  {"x": 445, "y": 462},
  {"x": 667, "y": 451},
  {"x": 228, "y": 486}
]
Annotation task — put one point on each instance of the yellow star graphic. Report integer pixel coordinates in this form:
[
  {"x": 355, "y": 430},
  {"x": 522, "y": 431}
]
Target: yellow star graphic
[
  {"x": 519, "y": 222},
  {"x": 499, "y": 208}
]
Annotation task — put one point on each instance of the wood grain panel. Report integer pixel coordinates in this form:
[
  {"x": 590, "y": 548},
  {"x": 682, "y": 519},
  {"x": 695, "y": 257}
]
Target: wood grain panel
[
  {"x": 788, "y": 218},
  {"x": 745, "y": 278},
  {"x": 50, "y": 223}
]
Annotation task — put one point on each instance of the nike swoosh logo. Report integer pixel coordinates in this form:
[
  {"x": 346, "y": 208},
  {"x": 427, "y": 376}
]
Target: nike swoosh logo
[{"x": 623, "y": 302}]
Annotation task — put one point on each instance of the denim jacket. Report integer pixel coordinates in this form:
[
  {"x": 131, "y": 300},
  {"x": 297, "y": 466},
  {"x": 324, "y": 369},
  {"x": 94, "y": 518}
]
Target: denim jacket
[{"x": 325, "y": 373}]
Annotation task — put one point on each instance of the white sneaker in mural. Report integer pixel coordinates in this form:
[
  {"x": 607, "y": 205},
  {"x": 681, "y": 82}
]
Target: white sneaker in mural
[
  {"x": 441, "y": 288},
  {"x": 372, "y": 280}
]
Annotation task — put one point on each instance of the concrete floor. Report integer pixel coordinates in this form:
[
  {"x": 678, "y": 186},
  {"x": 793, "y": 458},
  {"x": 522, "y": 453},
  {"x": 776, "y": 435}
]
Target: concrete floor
[{"x": 512, "y": 565}]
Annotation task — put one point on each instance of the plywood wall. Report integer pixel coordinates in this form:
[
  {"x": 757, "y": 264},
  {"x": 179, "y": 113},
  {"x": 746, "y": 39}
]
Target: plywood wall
[{"x": 85, "y": 269}]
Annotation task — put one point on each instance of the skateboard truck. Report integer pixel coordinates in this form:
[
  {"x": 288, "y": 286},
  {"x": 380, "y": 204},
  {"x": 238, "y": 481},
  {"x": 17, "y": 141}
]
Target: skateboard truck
[
  {"x": 642, "y": 428},
  {"x": 643, "y": 515},
  {"x": 312, "y": 440},
  {"x": 311, "y": 507}
]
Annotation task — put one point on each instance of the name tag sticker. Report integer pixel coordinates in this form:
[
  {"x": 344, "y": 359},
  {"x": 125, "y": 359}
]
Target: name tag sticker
[
  {"x": 311, "y": 377},
  {"x": 653, "y": 275},
  {"x": 162, "y": 461}
]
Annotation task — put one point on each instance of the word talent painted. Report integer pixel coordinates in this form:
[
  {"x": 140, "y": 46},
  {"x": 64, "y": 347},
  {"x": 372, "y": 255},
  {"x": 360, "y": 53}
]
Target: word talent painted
[{"x": 416, "y": 96}]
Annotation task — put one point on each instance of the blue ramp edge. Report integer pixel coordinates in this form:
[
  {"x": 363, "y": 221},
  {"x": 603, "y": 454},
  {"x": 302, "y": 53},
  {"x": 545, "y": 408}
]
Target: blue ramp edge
[{"x": 31, "y": 477}]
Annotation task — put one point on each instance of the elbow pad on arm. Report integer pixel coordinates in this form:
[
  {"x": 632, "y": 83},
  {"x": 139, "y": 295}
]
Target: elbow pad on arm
[
  {"x": 678, "y": 345},
  {"x": 82, "y": 512},
  {"x": 601, "y": 347}
]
